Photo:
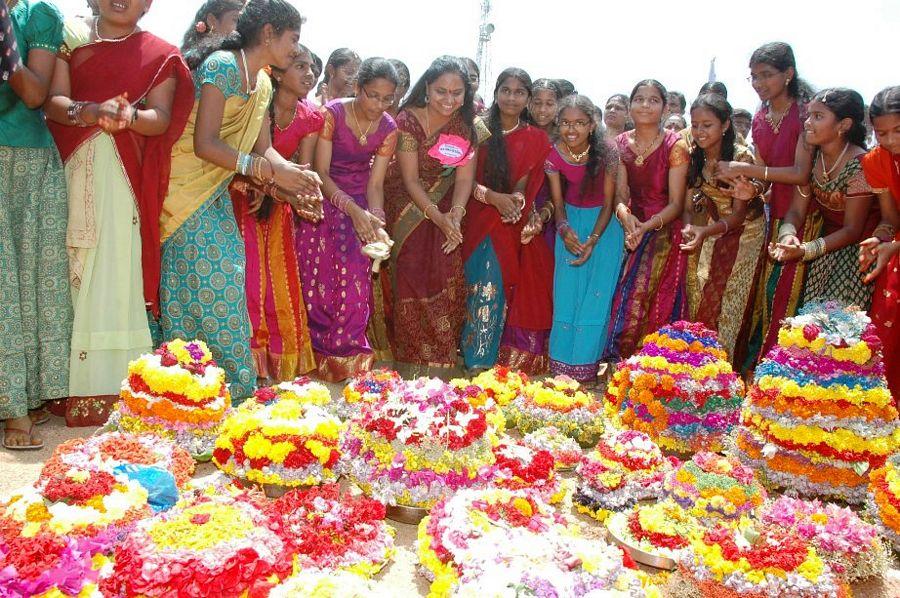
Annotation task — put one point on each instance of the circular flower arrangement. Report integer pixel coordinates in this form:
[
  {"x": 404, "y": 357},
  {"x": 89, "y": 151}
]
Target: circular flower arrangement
[
  {"x": 679, "y": 389},
  {"x": 624, "y": 468},
  {"x": 500, "y": 383},
  {"x": 819, "y": 414},
  {"x": 207, "y": 545},
  {"x": 711, "y": 487},
  {"x": 662, "y": 529},
  {"x": 364, "y": 389},
  {"x": 419, "y": 443},
  {"x": 177, "y": 392},
  {"x": 284, "y": 439},
  {"x": 520, "y": 467},
  {"x": 565, "y": 451},
  {"x": 884, "y": 499},
  {"x": 562, "y": 403},
  {"x": 754, "y": 560},
  {"x": 850, "y": 546},
  {"x": 105, "y": 451},
  {"x": 318, "y": 583},
  {"x": 327, "y": 530}
]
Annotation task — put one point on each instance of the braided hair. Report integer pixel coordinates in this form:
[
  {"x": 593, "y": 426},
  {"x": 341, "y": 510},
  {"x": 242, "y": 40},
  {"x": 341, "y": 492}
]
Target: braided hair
[{"x": 497, "y": 164}]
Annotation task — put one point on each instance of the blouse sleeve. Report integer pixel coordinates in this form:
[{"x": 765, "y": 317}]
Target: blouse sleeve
[
  {"x": 857, "y": 185},
  {"x": 44, "y": 29},
  {"x": 875, "y": 175},
  {"x": 551, "y": 164},
  {"x": 387, "y": 147},
  {"x": 327, "y": 132},
  {"x": 679, "y": 155},
  {"x": 221, "y": 71}
]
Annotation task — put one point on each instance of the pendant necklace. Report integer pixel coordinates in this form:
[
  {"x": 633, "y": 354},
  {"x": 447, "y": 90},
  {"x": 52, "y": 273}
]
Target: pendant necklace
[
  {"x": 363, "y": 137},
  {"x": 579, "y": 156},
  {"x": 826, "y": 174},
  {"x": 641, "y": 156}
]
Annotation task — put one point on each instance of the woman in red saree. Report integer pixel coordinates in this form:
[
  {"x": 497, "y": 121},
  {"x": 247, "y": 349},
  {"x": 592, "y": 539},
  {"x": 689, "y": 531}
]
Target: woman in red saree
[
  {"x": 119, "y": 100},
  {"x": 426, "y": 192},
  {"x": 510, "y": 295}
]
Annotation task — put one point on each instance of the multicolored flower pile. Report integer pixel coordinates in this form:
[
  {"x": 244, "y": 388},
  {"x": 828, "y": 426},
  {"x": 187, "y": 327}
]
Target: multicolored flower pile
[
  {"x": 520, "y": 467},
  {"x": 884, "y": 498},
  {"x": 320, "y": 583},
  {"x": 565, "y": 451},
  {"x": 661, "y": 529},
  {"x": 850, "y": 546},
  {"x": 419, "y": 443},
  {"x": 106, "y": 451},
  {"x": 325, "y": 529},
  {"x": 496, "y": 542},
  {"x": 178, "y": 392},
  {"x": 560, "y": 402},
  {"x": 679, "y": 389},
  {"x": 500, "y": 384},
  {"x": 754, "y": 560},
  {"x": 624, "y": 468},
  {"x": 364, "y": 389},
  {"x": 712, "y": 487},
  {"x": 209, "y": 544},
  {"x": 281, "y": 436},
  {"x": 819, "y": 415}
]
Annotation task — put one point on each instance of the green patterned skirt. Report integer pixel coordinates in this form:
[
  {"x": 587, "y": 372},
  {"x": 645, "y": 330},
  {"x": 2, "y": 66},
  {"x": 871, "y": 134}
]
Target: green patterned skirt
[{"x": 836, "y": 277}]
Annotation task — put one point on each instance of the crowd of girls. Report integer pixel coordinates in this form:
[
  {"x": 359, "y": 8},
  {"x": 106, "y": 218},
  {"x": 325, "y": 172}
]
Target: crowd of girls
[{"x": 222, "y": 192}]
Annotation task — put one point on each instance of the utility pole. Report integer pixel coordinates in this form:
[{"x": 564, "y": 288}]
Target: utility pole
[{"x": 483, "y": 55}]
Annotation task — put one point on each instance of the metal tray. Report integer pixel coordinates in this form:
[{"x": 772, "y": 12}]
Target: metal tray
[
  {"x": 405, "y": 514},
  {"x": 645, "y": 558}
]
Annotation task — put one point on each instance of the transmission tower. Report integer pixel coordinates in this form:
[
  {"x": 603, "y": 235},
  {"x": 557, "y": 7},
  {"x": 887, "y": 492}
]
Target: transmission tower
[{"x": 483, "y": 55}]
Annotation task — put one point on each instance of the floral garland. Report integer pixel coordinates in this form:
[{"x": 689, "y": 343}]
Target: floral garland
[
  {"x": 520, "y": 467},
  {"x": 850, "y": 546},
  {"x": 105, "y": 451},
  {"x": 319, "y": 583},
  {"x": 560, "y": 402},
  {"x": 661, "y": 529},
  {"x": 679, "y": 389},
  {"x": 281, "y": 437},
  {"x": 819, "y": 415},
  {"x": 712, "y": 487},
  {"x": 419, "y": 443},
  {"x": 755, "y": 560},
  {"x": 207, "y": 545},
  {"x": 499, "y": 383},
  {"x": 624, "y": 468},
  {"x": 327, "y": 530},
  {"x": 566, "y": 452},
  {"x": 884, "y": 499},
  {"x": 364, "y": 389}
]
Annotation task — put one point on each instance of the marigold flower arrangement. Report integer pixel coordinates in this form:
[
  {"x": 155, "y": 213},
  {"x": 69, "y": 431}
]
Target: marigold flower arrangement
[
  {"x": 178, "y": 392},
  {"x": 500, "y": 384},
  {"x": 324, "y": 583},
  {"x": 884, "y": 499},
  {"x": 105, "y": 451},
  {"x": 566, "y": 452},
  {"x": 712, "y": 487},
  {"x": 496, "y": 539},
  {"x": 420, "y": 442},
  {"x": 281, "y": 438},
  {"x": 560, "y": 402},
  {"x": 209, "y": 544},
  {"x": 325, "y": 529},
  {"x": 819, "y": 415},
  {"x": 850, "y": 546},
  {"x": 624, "y": 468},
  {"x": 679, "y": 389},
  {"x": 520, "y": 467},
  {"x": 660, "y": 529},
  {"x": 754, "y": 560},
  {"x": 364, "y": 389}
]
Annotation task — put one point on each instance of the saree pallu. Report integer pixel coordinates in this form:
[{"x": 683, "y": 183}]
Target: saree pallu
[
  {"x": 835, "y": 277},
  {"x": 582, "y": 296},
  {"x": 885, "y": 314}
]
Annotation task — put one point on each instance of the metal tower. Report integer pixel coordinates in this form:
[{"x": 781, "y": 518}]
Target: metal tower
[{"x": 483, "y": 55}]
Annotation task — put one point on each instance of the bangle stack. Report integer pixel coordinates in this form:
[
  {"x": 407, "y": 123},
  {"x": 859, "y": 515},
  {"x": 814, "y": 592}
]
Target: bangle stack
[
  {"x": 813, "y": 249},
  {"x": 661, "y": 223},
  {"x": 545, "y": 211},
  {"x": 341, "y": 200},
  {"x": 884, "y": 232},
  {"x": 786, "y": 230},
  {"x": 562, "y": 227},
  {"x": 73, "y": 112},
  {"x": 618, "y": 215},
  {"x": 480, "y": 193},
  {"x": 244, "y": 164},
  {"x": 520, "y": 197}
]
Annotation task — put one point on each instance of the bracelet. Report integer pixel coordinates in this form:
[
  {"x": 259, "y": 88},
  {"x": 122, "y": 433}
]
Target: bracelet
[
  {"x": 813, "y": 249},
  {"x": 520, "y": 197},
  {"x": 134, "y": 115},
  {"x": 884, "y": 232},
  {"x": 786, "y": 230},
  {"x": 340, "y": 200},
  {"x": 243, "y": 164},
  {"x": 766, "y": 174},
  {"x": 627, "y": 211},
  {"x": 802, "y": 194},
  {"x": 562, "y": 226},
  {"x": 661, "y": 223},
  {"x": 459, "y": 208},
  {"x": 758, "y": 186},
  {"x": 480, "y": 193},
  {"x": 73, "y": 113},
  {"x": 548, "y": 212},
  {"x": 594, "y": 236},
  {"x": 378, "y": 213},
  {"x": 425, "y": 211},
  {"x": 725, "y": 222}
]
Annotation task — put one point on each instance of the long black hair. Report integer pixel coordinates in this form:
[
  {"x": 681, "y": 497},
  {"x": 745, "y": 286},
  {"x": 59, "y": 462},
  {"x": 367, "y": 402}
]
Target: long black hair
[
  {"x": 217, "y": 8},
  {"x": 497, "y": 165},
  {"x": 441, "y": 66},
  {"x": 599, "y": 153},
  {"x": 886, "y": 101},
  {"x": 781, "y": 56},
  {"x": 255, "y": 15},
  {"x": 339, "y": 58},
  {"x": 846, "y": 103},
  {"x": 719, "y": 106}
]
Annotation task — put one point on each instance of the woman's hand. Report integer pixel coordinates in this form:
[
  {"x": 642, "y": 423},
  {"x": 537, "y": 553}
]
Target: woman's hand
[
  {"x": 742, "y": 188},
  {"x": 729, "y": 171},
  {"x": 309, "y": 207},
  {"x": 693, "y": 237},
  {"x": 532, "y": 229},
  {"x": 508, "y": 205},
  {"x": 787, "y": 249},
  {"x": 115, "y": 114},
  {"x": 634, "y": 239},
  {"x": 882, "y": 255},
  {"x": 365, "y": 224},
  {"x": 296, "y": 180},
  {"x": 571, "y": 241},
  {"x": 587, "y": 249},
  {"x": 449, "y": 227},
  {"x": 868, "y": 253}
]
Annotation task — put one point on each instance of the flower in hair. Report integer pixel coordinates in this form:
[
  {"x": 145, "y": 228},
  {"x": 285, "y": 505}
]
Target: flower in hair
[{"x": 201, "y": 27}]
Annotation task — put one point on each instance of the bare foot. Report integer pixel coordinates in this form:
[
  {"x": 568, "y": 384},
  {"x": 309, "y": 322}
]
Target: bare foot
[{"x": 19, "y": 433}]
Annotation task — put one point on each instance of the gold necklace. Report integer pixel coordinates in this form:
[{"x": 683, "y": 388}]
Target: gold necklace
[
  {"x": 508, "y": 131},
  {"x": 771, "y": 119},
  {"x": 826, "y": 174},
  {"x": 364, "y": 137},
  {"x": 641, "y": 155},
  {"x": 577, "y": 157},
  {"x": 98, "y": 38}
]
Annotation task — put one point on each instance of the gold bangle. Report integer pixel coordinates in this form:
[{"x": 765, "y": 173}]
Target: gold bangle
[
  {"x": 802, "y": 194},
  {"x": 661, "y": 223},
  {"x": 425, "y": 211},
  {"x": 766, "y": 174},
  {"x": 459, "y": 208}
]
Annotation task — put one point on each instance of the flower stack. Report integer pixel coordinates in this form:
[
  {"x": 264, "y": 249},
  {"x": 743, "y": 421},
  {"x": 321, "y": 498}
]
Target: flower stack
[
  {"x": 324, "y": 583},
  {"x": 679, "y": 389},
  {"x": 566, "y": 452},
  {"x": 325, "y": 529},
  {"x": 754, "y": 560},
  {"x": 884, "y": 498},
  {"x": 520, "y": 467},
  {"x": 849, "y": 545},
  {"x": 560, "y": 402},
  {"x": 282, "y": 436},
  {"x": 363, "y": 390},
  {"x": 819, "y": 415},
  {"x": 624, "y": 468},
  {"x": 500, "y": 383},
  {"x": 210, "y": 544},
  {"x": 419, "y": 443},
  {"x": 484, "y": 542},
  {"x": 178, "y": 392},
  {"x": 661, "y": 529},
  {"x": 712, "y": 487}
]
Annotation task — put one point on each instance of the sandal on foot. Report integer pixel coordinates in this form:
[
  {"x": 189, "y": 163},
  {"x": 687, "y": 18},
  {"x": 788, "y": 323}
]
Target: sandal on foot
[
  {"x": 39, "y": 416},
  {"x": 29, "y": 433}
]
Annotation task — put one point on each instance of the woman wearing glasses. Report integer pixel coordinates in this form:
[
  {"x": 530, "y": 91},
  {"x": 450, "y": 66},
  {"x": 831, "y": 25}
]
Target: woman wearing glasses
[
  {"x": 352, "y": 155},
  {"x": 651, "y": 289}
]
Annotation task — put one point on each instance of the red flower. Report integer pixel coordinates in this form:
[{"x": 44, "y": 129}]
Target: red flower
[{"x": 811, "y": 332}]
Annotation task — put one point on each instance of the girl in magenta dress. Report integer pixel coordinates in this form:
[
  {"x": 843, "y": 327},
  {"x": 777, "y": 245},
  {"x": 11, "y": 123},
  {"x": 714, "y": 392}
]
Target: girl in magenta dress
[{"x": 352, "y": 155}]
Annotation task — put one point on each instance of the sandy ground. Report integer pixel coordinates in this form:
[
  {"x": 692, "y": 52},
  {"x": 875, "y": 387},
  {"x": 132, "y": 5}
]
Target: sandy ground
[{"x": 400, "y": 579}]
